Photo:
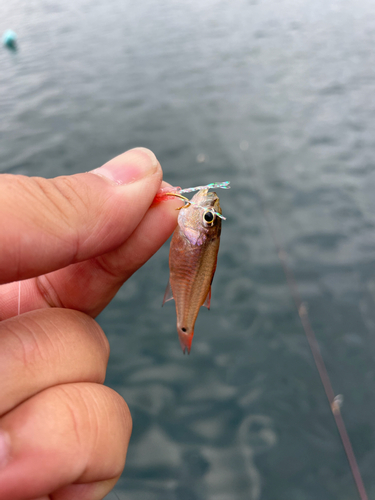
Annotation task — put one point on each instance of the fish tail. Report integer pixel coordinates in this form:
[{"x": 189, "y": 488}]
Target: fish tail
[{"x": 186, "y": 338}]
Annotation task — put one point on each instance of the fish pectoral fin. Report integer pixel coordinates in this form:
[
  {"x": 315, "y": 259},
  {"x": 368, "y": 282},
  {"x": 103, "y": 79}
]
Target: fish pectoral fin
[
  {"x": 168, "y": 293},
  {"x": 207, "y": 302}
]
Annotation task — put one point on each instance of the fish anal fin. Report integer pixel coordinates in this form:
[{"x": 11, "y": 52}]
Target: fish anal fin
[
  {"x": 207, "y": 302},
  {"x": 168, "y": 293}
]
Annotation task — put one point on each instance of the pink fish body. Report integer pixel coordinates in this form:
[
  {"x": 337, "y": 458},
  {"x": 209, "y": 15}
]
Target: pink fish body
[{"x": 192, "y": 261}]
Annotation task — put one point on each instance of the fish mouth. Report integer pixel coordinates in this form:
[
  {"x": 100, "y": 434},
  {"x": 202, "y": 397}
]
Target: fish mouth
[{"x": 186, "y": 338}]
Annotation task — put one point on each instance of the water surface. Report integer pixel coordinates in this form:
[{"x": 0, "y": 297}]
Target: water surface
[{"x": 275, "y": 91}]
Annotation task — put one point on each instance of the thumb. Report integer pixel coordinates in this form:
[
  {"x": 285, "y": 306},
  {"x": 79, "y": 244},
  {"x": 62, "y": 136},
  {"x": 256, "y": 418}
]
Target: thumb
[{"x": 47, "y": 224}]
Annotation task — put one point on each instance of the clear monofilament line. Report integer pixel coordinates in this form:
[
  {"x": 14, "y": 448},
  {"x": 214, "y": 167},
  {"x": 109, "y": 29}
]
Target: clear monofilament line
[{"x": 19, "y": 298}]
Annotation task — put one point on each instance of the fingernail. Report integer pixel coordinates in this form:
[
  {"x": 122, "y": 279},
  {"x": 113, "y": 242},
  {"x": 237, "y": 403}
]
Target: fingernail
[
  {"x": 4, "y": 448},
  {"x": 129, "y": 167}
]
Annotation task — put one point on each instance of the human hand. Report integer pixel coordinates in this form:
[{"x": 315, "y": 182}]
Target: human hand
[{"x": 73, "y": 240}]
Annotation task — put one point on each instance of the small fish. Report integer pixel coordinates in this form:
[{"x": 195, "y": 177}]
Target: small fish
[{"x": 192, "y": 260}]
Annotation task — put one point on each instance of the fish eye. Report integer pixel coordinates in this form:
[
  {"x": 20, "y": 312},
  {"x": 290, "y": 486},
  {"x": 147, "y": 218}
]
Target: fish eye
[{"x": 208, "y": 217}]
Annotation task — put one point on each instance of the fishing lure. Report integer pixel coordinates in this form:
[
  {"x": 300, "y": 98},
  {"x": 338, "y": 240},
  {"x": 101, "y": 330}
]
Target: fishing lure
[
  {"x": 168, "y": 192},
  {"x": 193, "y": 255}
]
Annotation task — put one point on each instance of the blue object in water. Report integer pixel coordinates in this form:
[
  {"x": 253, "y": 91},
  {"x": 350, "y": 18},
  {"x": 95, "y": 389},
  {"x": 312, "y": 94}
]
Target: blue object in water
[{"x": 10, "y": 39}]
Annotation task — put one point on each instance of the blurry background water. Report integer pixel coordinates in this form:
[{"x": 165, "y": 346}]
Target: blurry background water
[{"x": 219, "y": 90}]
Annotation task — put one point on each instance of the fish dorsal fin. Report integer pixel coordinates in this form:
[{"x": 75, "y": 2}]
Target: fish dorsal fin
[
  {"x": 168, "y": 293},
  {"x": 207, "y": 302}
]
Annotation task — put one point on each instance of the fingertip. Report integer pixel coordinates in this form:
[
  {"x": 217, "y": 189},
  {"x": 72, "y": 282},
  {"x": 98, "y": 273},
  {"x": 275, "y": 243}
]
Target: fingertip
[
  {"x": 161, "y": 198},
  {"x": 129, "y": 167},
  {"x": 145, "y": 151}
]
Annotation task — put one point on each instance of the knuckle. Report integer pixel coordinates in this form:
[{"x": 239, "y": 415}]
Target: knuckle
[
  {"x": 94, "y": 412},
  {"x": 65, "y": 195},
  {"x": 28, "y": 342},
  {"x": 77, "y": 336},
  {"x": 63, "y": 201},
  {"x": 59, "y": 197},
  {"x": 53, "y": 346}
]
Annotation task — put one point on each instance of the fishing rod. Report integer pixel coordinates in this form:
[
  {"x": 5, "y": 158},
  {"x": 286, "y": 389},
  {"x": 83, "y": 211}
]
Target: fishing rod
[{"x": 334, "y": 400}]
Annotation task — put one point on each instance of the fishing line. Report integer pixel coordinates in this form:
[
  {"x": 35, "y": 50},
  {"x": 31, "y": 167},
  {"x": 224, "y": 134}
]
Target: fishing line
[
  {"x": 19, "y": 298},
  {"x": 334, "y": 401}
]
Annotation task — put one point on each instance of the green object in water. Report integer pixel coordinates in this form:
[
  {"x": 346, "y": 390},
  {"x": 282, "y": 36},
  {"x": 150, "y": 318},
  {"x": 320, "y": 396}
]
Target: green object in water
[{"x": 10, "y": 39}]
